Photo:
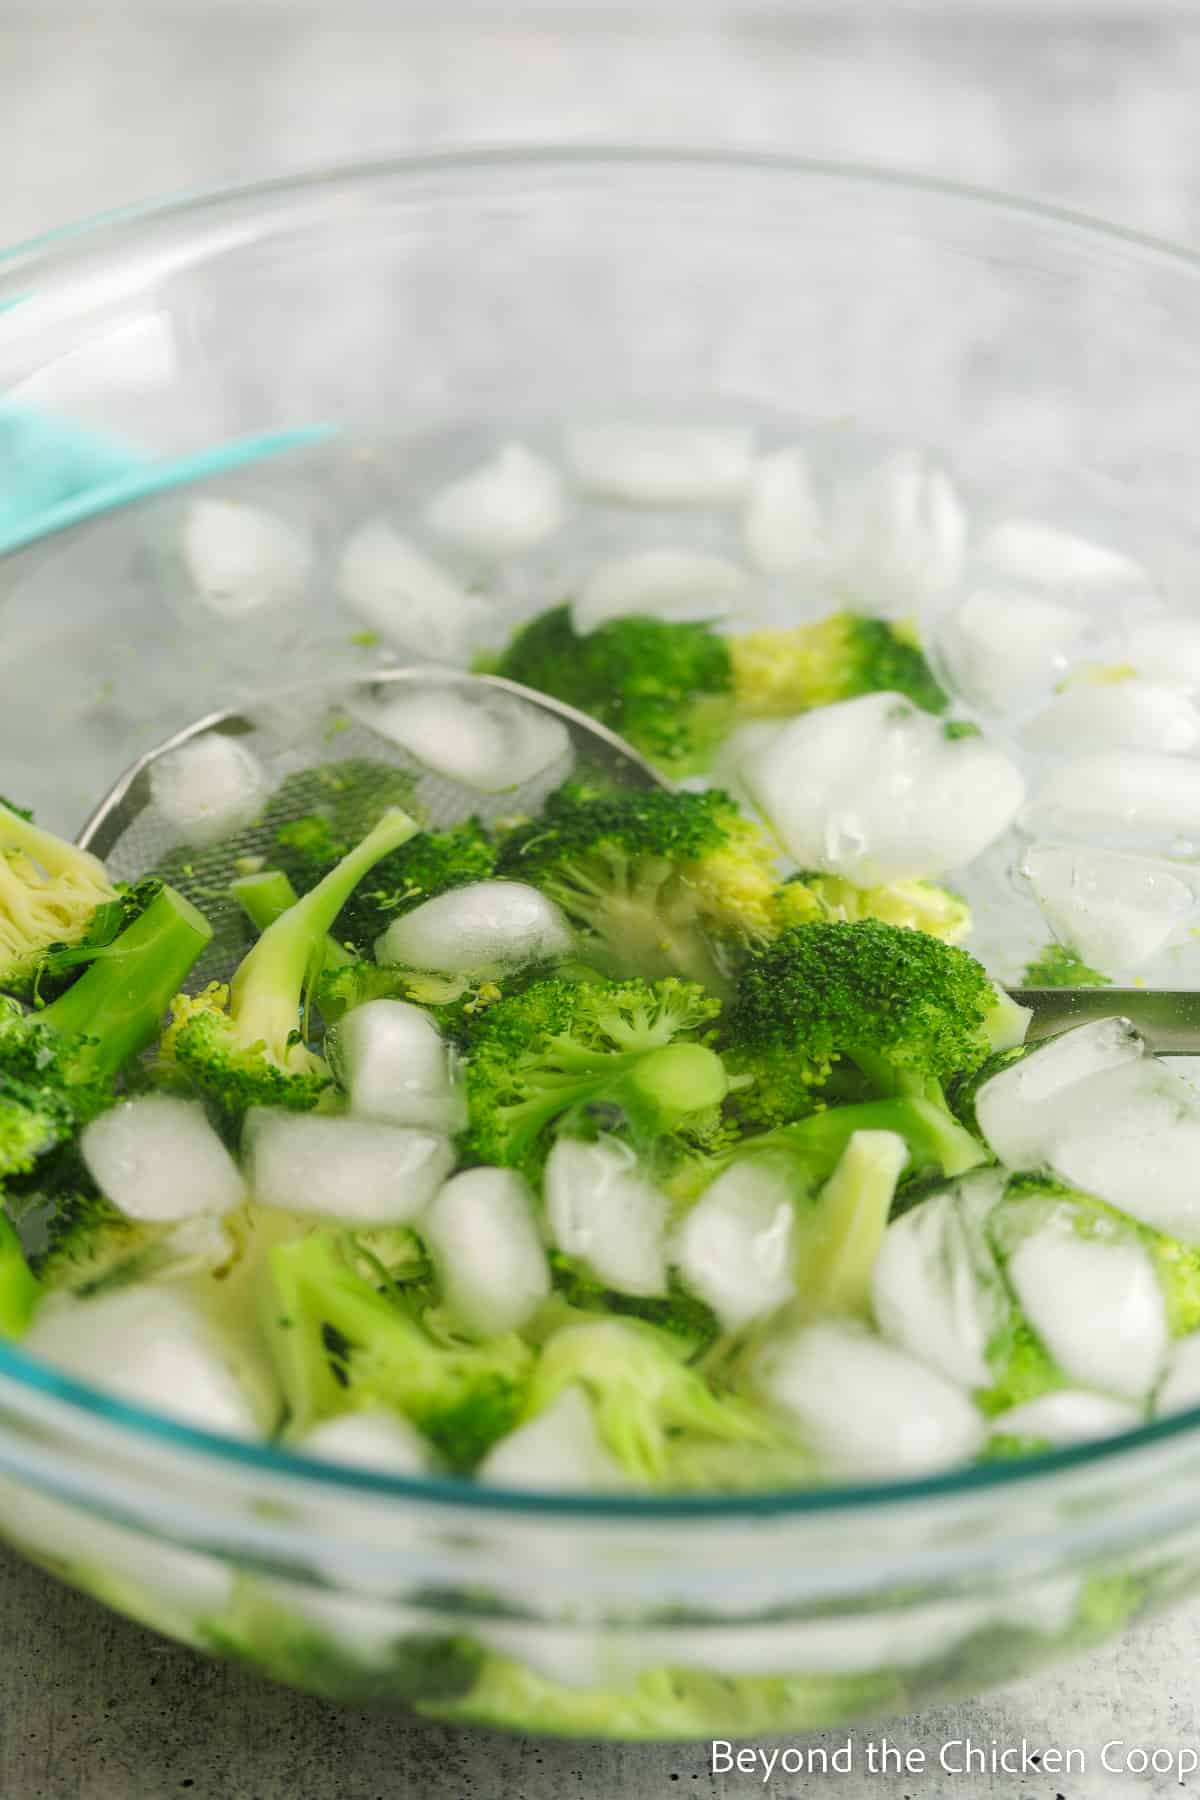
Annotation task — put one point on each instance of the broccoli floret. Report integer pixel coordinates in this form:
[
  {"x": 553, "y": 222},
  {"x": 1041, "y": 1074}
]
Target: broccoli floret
[
  {"x": 905, "y": 1010},
  {"x": 87, "y": 1245},
  {"x": 340, "y": 1343},
  {"x": 779, "y": 673},
  {"x": 20, "y": 1289},
  {"x": 661, "y": 883},
  {"x": 921, "y": 905},
  {"x": 243, "y": 1046},
  {"x": 652, "y": 1409},
  {"x": 1059, "y": 966},
  {"x": 590, "y": 1049},
  {"x": 60, "y": 1065},
  {"x": 678, "y": 1312},
  {"x": 51, "y": 894},
  {"x": 664, "y": 686}
]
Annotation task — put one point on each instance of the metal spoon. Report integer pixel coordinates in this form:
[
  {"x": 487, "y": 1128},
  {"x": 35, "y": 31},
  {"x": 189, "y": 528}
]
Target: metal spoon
[{"x": 130, "y": 833}]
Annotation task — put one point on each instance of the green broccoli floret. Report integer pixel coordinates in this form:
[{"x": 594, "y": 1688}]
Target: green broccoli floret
[
  {"x": 243, "y": 1046},
  {"x": 1059, "y": 966},
  {"x": 652, "y": 1409},
  {"x": 51, "y": 894},
  {"x": 921, "y": 905},
  {"x": 664, "y": 686},
  {"x": 660, "y": 883},
  {"x": 904, "y": 1010},
  {"x": 779, "y": 673},
  {"x": 20, "y": 1289},
  {"x": 632, "y": 1048},
  {"x": 60, "y": 1065},
  {"x": 677, "y": 1312},
  {"x": 88, "y": 1245},
  {"x": 340, "y": 1343}
]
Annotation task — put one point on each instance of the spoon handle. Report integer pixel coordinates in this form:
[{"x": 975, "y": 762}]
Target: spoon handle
[{"x": 1168, "y": 1019}]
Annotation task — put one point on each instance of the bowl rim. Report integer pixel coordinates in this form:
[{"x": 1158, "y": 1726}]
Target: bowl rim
[{"x": 110, "y": 233}]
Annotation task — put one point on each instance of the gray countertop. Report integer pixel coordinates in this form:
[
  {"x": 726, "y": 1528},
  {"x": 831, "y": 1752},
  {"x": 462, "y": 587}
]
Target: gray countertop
[{"x": 1091, "y": 103}]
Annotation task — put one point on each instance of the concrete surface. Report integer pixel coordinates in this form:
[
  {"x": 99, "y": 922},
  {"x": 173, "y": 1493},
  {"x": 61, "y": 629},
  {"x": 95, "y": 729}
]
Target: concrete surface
[{"x": 1091, "y": 104}]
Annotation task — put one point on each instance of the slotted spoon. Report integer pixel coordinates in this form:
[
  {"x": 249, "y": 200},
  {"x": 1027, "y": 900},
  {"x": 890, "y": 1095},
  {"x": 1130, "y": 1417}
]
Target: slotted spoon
[{"x": 300, "y": 735}]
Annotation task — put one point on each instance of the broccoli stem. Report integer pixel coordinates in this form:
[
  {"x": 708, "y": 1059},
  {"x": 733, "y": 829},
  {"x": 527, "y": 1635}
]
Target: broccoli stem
[
  {"x": 935, "y": 1139},
  {"x": 266, "y": 896},
  {"x": 120, "y": 999},
  {"x": 668, "y": 1084},
  {"x": 20, "y": 1288},
  {"x": 266, "y": 990}
]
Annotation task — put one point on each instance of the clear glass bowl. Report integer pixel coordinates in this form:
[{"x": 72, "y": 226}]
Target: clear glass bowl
[{"x": 331, "y": 346}]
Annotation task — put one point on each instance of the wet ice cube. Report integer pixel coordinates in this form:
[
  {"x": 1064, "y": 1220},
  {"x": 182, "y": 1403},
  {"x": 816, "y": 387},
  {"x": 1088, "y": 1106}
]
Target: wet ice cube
[
  {"x": 1117, "y": 911},
  {"x": 865, "y": 1407},
  {"x": 405, "y": 596},
  {"x": 1021, "y": 1109},
  {"x": 734, "y": 1248},
  {"x": 1107, "y": 715},
  {"x": 1070, "y": 1416},
  {"x": 560, "y": 1448},
  {"x": 482, "y": 931},
  {"x": 482, "y": 1234},
  {"x": 240, "y": 558},
  {"x": 665, "y": 583},
  {"x": 508, "y": 505},
  {"x": 396, "y": 1066},
  {"x": 1134, "y": 799},
  {"x": 1029, "y": 550},
  {"x": 487, "y": 740},
  {"x": 355, "y": 1171},
  {"x": 662, "y": 465},
  {"x": 209, "y": 788},
  {"x": 370, "y": 1438},
  {"x": 897, "y": 533},
  {"x": 1003, "y": 647},
  {"x": 875, "y": 790},
  {"x": 782, "y": 527},
  {"x": 1132, "y": 1137},
  {"x": 156, "y": 1157},
  {"x": 603, "y": 1210}
]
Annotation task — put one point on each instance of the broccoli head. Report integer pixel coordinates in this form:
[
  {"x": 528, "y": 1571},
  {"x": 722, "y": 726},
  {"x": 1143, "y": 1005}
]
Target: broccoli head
[
  {"x": 664, "y": 686},
  {"x": 921, "y": 905},
  {"x": 52, "y": 894},
  {"x": 903, "y": 1009},
  {"x": 660, "y": 883},
  {"x": 658, "y": 1416},
  {"x": 242, "y": 1045},
  {"x": 89, "y": 1245},
  {"x": 633, "y": 1048},
  {"x": 779, "y": 673},
  {"x": 1059, "y": 966},
  {"x": 340, "y": 1343}
]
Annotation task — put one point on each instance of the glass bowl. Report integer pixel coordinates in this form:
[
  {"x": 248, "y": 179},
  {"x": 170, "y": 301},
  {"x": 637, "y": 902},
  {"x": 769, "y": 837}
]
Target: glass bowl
[{"x": 328, "y": 348}]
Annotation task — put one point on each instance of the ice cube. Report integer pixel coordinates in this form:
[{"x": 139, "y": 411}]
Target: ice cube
[
  {"x": 1089, "y": 1290},
  {"x": 1167, "y": 650},
  {"x": 1107, "y": 715},
  {"x": 1134, "y": 799},
  {"x": 936, "y": 1289},
  {"x": 356, "y": 1171},
  {"x": 1069, "y": 1416},
  {"x": 481, "y": 931},
  {"x": 482, "y": 1234},
  {"x": 662, "y": 465},
  {"x": 159, "y": 1347},
  {"x": 865, "y": 1407},
  {"x": 240, "y": 558},
  {"x": 1117, "y": 911},
  {"x": 411, "y": 601},
  {"x": 488, "y": 740},
  {"x": 371, "y": 1438},
  {"x": 1132, "y": 1137},
  {"x": 782, "y": 527},
  {"x": 1179, "y": 1389},
  {"x": 734, "y": 1248},
  {"x": 560, "y": 1448},
  {"x": 664, "y": 583},
  {"x": 508, "y": 505},
  {"x": 1028, "y": 550},
  {"x": 897, "y": 533},
  {"x": 1004, "y": 647},
  {"x": 156, "y": 1157},
  {"x": 396, "y": 1066},
  {"x": 210, "y": 788},
  {"x": 875, "y": 790},
  {"x": 603, "y": 1210},
  {"x": 1020, "y": 1109}
]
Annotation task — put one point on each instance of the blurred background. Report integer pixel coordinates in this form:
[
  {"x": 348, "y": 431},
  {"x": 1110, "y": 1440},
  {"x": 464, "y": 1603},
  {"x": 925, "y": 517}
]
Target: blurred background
[{"x": 1087, "y": 102}]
